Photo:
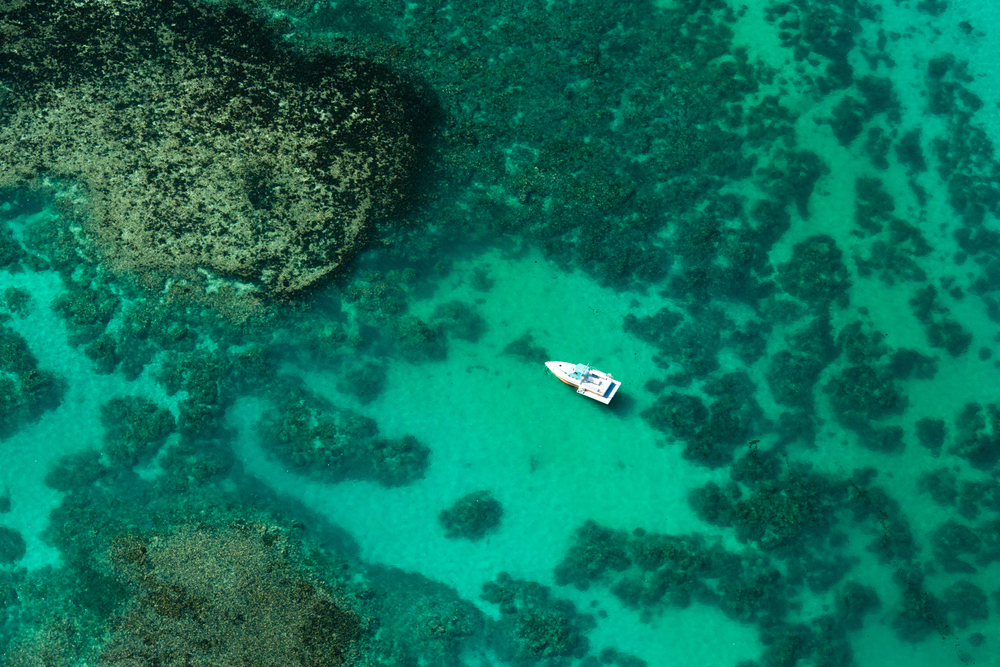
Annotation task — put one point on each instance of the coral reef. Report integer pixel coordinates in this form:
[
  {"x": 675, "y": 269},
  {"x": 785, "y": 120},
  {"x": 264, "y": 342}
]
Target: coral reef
[
  {"x": 966, "y": 602},
  {"x": 421, "y": 621},
  {"x": 977, "y": 439},
  {"x": 86, "y": 311},
  {"x": 460, "y": 320},
  {"x": 365, "y": 382},
  {"x": 533, "y": 625},
  {"x": 943, "y": 331},
  {"x": 199, "y": 568},
  {"x": 952, "y": 543},
  {"x": 596, "y": 550},
  {"x": 11, "y": 252},
  {"x": 692, "y": 345},
  {"x": 854, "y": 602},
  {"x": 16, "y": 300},
  {"x": 26, "y": 391},
  {"x": 206, "y": 148},
  {"x": 816, "y": 272},
  {"x": 134, "y": 428},
  {"x": 795, "y": 523},
  {"x": 861, "y": 394},
  {"x": 380, "y": 305},
  {"x": 418, "y": 340},
  {"x": 941, "y": 485},
  {"x": 783, "y": 511},
  {"x": 931, "y": 434},
  {"x": 919, "y": 613},
  {"x": 526, "y": 349},
  {"x": 472, "y": 516},
  {"x": 685, "y": 185},
  {"x": 793, "y": 371},
  {"x": 710, "y": 434},
  {"x": 337, "y": 443},
  {"x": 223, "y": 596},
  {"x": 647, "y": 570},
  {"x": 12, "y": 546}
]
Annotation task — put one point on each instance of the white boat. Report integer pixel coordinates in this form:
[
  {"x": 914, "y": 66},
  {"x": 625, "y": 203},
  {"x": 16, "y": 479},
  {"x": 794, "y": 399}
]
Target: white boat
[{"x": 588, "y": 381}]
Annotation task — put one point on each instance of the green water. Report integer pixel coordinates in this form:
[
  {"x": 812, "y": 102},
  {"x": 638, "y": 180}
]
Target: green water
[{"x": 775, "y": 224}]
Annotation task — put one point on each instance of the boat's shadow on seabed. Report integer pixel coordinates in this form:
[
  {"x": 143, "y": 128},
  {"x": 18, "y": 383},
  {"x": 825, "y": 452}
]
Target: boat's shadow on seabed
[{"x": 623, "y": 406}]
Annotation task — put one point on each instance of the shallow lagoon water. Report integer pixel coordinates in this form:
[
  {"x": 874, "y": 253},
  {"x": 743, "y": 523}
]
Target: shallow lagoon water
[{"x": 492, "y": 419}]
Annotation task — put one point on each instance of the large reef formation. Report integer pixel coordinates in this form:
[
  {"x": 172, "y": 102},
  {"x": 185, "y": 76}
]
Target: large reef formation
[
  {"x": 207, "y": 151},
  {"x": 205, "y": 594},
  {"x": 224, "y": 596}
]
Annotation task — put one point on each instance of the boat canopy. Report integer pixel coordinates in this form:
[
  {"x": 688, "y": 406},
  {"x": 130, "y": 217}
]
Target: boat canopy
[{"x": 581, "y": 369}]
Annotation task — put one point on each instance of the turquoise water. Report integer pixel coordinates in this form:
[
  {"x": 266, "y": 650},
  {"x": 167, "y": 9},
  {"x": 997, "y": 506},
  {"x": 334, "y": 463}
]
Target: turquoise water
[{"x": 775, "y": 224}]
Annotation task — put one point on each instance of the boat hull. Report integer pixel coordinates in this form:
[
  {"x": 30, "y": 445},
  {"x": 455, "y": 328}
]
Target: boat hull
[{"x": 587, "y": 381}]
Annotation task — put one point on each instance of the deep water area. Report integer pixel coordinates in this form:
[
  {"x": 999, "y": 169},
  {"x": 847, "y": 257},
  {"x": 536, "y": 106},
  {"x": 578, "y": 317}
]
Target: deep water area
[{"x": 278, "y": 282}]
